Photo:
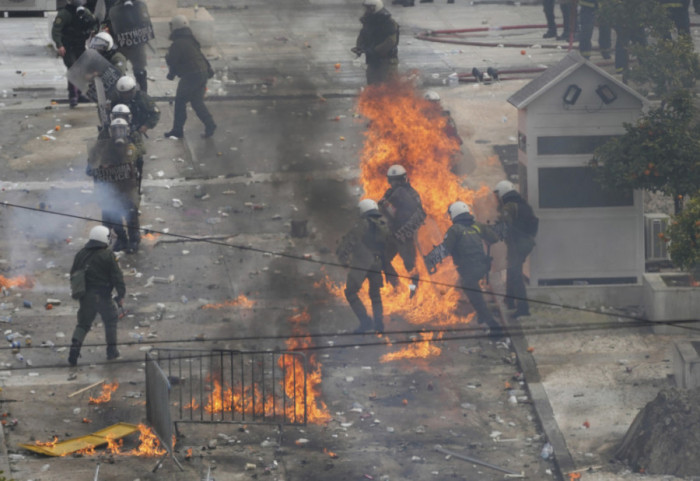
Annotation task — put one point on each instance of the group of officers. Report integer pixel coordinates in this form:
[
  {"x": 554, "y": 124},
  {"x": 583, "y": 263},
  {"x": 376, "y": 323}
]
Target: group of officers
[
  {"x": 389, "y": 227},
  {"x": 98, "y": 40}
]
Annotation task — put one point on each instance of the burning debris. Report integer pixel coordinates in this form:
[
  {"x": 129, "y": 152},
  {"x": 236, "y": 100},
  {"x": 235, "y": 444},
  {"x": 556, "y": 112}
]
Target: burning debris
[
  {"x": 240, "y": 301},
  {"x": 106, "y": 395},
  {"x": 23, "y": 282}
]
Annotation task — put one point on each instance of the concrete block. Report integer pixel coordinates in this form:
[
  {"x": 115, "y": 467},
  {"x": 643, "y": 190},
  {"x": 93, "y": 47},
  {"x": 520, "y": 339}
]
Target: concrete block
[
  {"x": 686, "y": 364},
  {"x": 201, "y": 23},
  {"x": 669, "y": 303}
]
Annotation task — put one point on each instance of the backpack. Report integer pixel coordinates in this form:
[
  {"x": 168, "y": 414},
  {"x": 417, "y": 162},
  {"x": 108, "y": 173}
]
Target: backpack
[
  {"x": 526, "y": 221},
  {"x": 78, "y": 286}
]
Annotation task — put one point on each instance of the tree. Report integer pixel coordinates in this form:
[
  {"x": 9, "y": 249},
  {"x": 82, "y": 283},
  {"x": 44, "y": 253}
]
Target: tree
[
  {"x": 660, "y": 153},
  {"x": 685, "y": 234}
]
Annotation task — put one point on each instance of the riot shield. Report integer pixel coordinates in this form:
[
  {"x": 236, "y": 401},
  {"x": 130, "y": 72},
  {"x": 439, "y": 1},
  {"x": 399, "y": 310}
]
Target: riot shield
[
  {"x": 90, "y": 65},
  {"x": 131, "y": 24},
  {"x": 100, "y": 10}
]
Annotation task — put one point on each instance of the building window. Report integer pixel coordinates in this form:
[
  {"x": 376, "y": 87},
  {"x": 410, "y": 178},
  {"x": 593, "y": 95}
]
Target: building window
[
  {"x": 571, "y": 187},
  {"x": 571, "y": 144}
]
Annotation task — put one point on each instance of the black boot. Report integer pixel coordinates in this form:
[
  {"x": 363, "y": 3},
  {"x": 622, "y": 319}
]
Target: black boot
[
  {"x": 142, "y": 79},
  {"x": 550, "y": 33},
  {"x": 74, "y": 353},
  {"x": 365, "y": 326},
  {"x": 209, "y": 131}
]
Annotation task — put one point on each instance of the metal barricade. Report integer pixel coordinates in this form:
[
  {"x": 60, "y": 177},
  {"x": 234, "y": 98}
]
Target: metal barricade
[{"x": 223, "y": 386}]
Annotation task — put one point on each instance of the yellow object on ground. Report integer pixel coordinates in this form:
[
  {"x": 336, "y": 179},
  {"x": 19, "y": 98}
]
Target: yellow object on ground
[{"x": 90, "y": 441}]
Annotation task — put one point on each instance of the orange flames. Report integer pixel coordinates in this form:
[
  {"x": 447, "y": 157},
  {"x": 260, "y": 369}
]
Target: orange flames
[
  {"x": 240, "y": 301},
  {"x": 23, "y": 282},
  {"x": 419, "y": 349},
  {"x": 406, "y": 129},
  {"x": 149, "y": 445},
  {"x": 106, "y": 396},
  {"x": 299, "y": 389},
  {"x": 150, "y": 238}
]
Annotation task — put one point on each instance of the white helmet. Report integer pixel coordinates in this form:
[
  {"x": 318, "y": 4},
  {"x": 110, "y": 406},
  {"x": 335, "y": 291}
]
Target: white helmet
[
  {"x": 503, "y": 187},
  {"x": 100, "y": 233},
  {"x": 367, "y": 205},
  {"x": 377, "y": 4},
  {"x": 396, "y": 170},
  {"x": 102, "y": 42},
  {"x": 178, "y": 21},
  {"x": 458, "y": 208},
  {"x": 432, "y": 95},
  {"x": 79, "y": 3},
  {"x": 119, "y": 130},
  {"x": 121, "y": 111},
  {"x": 126, "y": 83}
]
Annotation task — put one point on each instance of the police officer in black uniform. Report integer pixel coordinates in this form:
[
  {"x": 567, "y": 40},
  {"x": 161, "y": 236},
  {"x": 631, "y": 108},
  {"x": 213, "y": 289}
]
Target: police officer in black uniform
[
  {"x": 72, "y": 27},
  {"x": 102, "y": 275},
  {"x": 402, "y": 207},
  {"x": 464, "y": 241},
  {"x": 185, "y": 60},
  {"x": 587, "y": 15},
  {"x": 378, "y": 41}
]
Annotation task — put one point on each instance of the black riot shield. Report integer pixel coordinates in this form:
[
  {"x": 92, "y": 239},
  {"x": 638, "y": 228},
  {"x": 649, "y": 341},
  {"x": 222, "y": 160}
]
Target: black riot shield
[
  {"x": 131, "y": 24},
  {"x": 90, "y": 65}
]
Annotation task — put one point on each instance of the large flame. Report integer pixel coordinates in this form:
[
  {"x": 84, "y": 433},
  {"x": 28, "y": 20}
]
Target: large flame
[
  {"x": 301, "y": 390},
  {"x": 240, "y": 301},
  {"x": 404, "y": 128},
  {"x": 23, "y": 282},
  {"x": 106, "y": 395}
]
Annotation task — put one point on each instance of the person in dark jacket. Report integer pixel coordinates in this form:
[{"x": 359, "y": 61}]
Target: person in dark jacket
[
  {"x": 402, "y": 207},
  {"x": 102, "y": 275},
  {"x": 364, "y": 249},
  {"x": 379, "y": 41},
  {"x": 71, "y": 28},
  {"x": 464, "y": 241},
  {"x": 519, "y": 225},
  {"x": 135, "y": 52},
  {"x": 185, "y": 60},
  {"x": 104, "y": 44}
]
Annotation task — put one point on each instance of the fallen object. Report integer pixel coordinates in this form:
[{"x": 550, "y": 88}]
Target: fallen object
[
  {"x": 96, "y": 439},
  {"x": 512, "y": 474}
]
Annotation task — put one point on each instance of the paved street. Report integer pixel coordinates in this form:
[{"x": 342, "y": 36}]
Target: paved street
[{"x": 287, "y": 150}]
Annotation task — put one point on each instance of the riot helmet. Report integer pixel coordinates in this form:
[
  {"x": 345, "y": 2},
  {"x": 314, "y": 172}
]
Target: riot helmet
[
  {"x": 367, "y": 206},
  {"x": 372, "y": 5},
  {"x": 121, "y": 111},
  {"x": 102, "y": 42},
  {"x": 77, "y": 3},
  {"x": 503, "y": 187},
  {"x": 99, "y": 233},
  {"x": 432, "y": 95},
  {"x": 126, "y": 86},
  {"x": 458, "y": 208},
  {"x": 396, "y": 174},
  {"x": 119, "y": 131}
]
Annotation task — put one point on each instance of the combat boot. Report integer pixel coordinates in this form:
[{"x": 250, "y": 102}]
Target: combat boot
[
  {"x": 74, "y": 352},
  {"x": 550, "y": 33},
  {"x": 120, "y": 245},
  {"x": 365, "y": 326},
  {"x": 209, "y": 131}
]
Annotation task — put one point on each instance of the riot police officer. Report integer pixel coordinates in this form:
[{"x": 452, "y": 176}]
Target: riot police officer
[
  {"x": 587, "y": 15},
  {"x": 112, "y": 164},
  {"x": 130, "y": 24},
  {"x": 72, "y": 27},
  {"x": 104, "y": 44},
  {"x": 144, "y": 111},
  {"x": 364, "y": 249},
  {"x": 464, "y": 241},
  {"x": 102, "y": 275},
  {"x": 378, "y": 41},
  {"x": 401, "y": 206},
  {"x": 518, "y": 225}
]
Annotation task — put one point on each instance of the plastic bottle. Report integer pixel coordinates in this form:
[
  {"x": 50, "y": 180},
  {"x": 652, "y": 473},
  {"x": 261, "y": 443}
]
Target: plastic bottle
[
  {"x": 184, "y": 299},
  {"x": 547, "y": 451},
  {"x": 137, "y": 336},
  {"x": 20, "y": 357}
]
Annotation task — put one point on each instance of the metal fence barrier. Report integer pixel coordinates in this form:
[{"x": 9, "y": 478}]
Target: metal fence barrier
[{"x": 222, "y": 386}]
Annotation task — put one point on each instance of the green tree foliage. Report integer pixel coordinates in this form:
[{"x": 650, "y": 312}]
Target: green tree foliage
[
  {"x": 659, "y": 153},
  {"x": 666, "y": 66},
  {"x": 684, "y": 232}
]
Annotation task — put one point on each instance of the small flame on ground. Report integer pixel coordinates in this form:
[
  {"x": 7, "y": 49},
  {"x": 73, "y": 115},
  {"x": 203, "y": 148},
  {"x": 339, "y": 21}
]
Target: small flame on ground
[
  {"x": 330, "y": 453},
  {"x": 418, "y": 349},
  {"x": 106, "y": 396},
  {"x": 192, "y": 405},
  {"x": 49, "y": 444},
  {"x": 150, "y": 238},
  {"x": 240, "y": 301},
  {"x": 23, "y": 282}
]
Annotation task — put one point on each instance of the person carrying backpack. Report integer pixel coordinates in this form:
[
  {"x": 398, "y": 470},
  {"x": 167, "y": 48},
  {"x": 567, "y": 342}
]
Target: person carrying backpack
[
  {"x": 464, "y": 241},
  {"x": 518, "y": 227},
  {"x": 101, "y": 275}
]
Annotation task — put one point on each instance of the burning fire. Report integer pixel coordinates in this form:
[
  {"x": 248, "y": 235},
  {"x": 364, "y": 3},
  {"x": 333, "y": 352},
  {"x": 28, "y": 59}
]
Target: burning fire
[
  {"x": 23, "y": 282},
  {"x": 106, "y": 396},
  {"x": 226, "y": 398},
  {"x": 240, "y": 301},
  {"x": 150, "y": 238},
  {"x": 149, "y": 445},
  {"x": 419, "y": 349},
  {"x": 404, "y": 128}
]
